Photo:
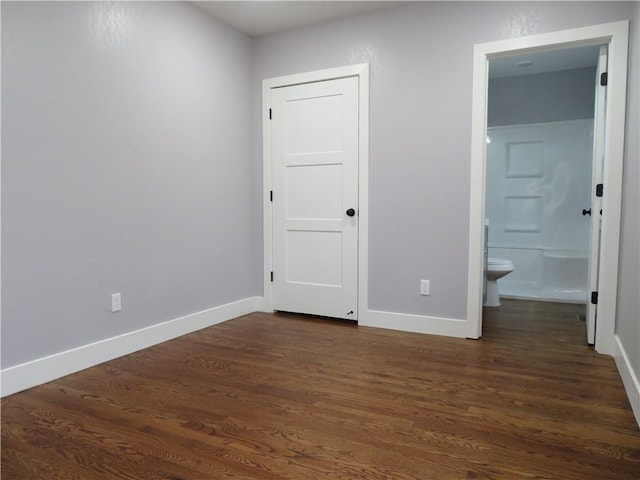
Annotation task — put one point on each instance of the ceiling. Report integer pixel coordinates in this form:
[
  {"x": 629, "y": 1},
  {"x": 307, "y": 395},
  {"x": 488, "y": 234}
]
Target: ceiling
[
  {"x": 547, "y": 61},
  {"x": 257, "y": 18}
]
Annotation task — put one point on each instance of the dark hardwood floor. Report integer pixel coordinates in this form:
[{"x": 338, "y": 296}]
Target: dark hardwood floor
[{"x": 287, "y": 397}]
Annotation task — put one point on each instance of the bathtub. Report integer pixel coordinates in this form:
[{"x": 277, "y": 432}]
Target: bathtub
[{"x": 554, "y": 275}]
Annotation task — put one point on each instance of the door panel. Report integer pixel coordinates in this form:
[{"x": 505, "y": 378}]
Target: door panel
[
  {"x": 314, "y": 191},
  {"x": 596, "y": 205},
  {"x": 314, "y": 258},
  {"x": 314, "y": 137},
  {"x": 314, "y": 125}
]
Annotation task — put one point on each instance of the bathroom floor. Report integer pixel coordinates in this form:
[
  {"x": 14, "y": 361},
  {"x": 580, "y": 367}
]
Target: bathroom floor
[{"x": 547, "y": 322}]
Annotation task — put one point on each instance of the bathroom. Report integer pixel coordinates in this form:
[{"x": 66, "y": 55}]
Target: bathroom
[{"x": 539, "y": 174}]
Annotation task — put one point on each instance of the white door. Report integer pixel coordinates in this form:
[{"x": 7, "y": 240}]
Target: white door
[
  {"x": 314, "y": 141},
  {"x": 596, "y": 200}
]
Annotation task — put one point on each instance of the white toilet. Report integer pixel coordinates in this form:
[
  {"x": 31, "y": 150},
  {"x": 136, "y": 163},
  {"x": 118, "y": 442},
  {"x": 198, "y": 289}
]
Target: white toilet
[{"x": 496, "y": 268}]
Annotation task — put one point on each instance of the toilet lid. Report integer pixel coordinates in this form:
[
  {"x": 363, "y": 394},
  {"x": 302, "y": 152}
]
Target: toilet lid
[{"x": 498, "y": 261}]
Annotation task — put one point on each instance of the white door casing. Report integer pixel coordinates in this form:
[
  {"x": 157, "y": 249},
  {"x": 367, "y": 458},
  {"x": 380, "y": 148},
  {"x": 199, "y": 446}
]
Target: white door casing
[
  {"x": 596, "y": 201},
  {"x": 314, "y": 135},
  {"x": 616, "y": 36}
]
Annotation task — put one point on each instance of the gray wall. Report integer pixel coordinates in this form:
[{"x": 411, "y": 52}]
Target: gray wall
[
  {"x": 420, "y": 128},
  {"x": 542, "y": 97},
  {"x": 126, "y": 158},
  {"x": 125, "y": 168},
  {"x": 628, "y": 321}
]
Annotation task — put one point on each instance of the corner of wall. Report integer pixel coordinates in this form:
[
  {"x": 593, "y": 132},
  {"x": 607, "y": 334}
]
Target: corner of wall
[
  {"x": 42, "y": 370},
  {"x": 629, "y": 378}
]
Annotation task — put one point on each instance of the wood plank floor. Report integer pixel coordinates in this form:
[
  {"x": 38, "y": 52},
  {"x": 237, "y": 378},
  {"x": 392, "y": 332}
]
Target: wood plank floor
[{"x": 280, "y": 396}]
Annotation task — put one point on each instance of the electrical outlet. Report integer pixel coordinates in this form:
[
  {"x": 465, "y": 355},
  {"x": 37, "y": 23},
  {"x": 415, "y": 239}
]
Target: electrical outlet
[
  {"x": 424, "y": 287},
  {"x": 116, "y": 302}
]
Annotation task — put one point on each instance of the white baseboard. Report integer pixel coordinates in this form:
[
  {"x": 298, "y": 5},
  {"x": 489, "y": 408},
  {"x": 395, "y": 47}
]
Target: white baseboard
[
  {"x": 414, "y": 323},
  {"x": 629, "y": 378},
  {"x": 264, "y": 305},
  {"x": 42, "y": 370}
]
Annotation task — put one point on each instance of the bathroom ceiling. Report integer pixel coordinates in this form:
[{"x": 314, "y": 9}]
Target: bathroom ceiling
[
  {"x": 540, "y": 62},
  {"x": 261, "y": 17}
]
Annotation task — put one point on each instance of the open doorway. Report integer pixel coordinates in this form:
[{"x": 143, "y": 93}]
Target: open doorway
[
  {"x": 615, "y": 37},
  {"x": 541, "y": 210}
]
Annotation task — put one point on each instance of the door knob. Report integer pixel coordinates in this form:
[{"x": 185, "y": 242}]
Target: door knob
[
  {"x": 586, "y": 212},
  {"x": 351, "y": 212}
]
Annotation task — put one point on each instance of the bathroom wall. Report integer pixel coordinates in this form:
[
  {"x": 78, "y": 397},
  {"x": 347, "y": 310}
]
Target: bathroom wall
[
  {"x": 541, "y": 97},
  {"x": 420, "y": 125},
  {"x": 125, "y": 168}
]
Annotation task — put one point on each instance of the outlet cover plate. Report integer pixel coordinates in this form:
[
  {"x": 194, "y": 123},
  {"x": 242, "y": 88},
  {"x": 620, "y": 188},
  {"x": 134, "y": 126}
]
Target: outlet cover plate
[{"x": 116, "y": 302}]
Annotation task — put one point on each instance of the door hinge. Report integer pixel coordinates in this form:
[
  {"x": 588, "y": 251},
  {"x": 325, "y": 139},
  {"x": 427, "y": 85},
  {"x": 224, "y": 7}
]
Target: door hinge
[
  {"x": 272, "y": 276},
  {"x": 270, "y": 114},
  {"x": 599, "y": 190},
  {"x": 594, "y": 298},
  {"x": 271, "y": 195},
  {"x": 603, "y": 79}
]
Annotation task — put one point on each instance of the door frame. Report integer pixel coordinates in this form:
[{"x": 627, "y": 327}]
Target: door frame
[
  {"x": 361, "y": 71},
  {"x": 615, "y": 35}
]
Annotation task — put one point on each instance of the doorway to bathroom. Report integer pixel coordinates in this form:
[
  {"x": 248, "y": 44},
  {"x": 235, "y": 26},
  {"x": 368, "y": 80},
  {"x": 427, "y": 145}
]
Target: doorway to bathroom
[
  {"x": 542, "y": 167},
  {"x": 523, "y": 205}
]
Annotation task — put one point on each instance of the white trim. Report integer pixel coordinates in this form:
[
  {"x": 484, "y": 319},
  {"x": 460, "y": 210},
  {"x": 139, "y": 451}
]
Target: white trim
[
  {"x": 0, "y": 201},
  {"x": 363, "y": 199},
  {"x": 616, "y": 36},
  {"x": 629, "y": 378},
  {"x": 42, "y": 370},
  {"x": 415, "y": 323},
  {"x": 362, "y": 72}
]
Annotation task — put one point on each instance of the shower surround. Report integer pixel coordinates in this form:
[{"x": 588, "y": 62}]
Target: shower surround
[{"x": 538, "y": 183}]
